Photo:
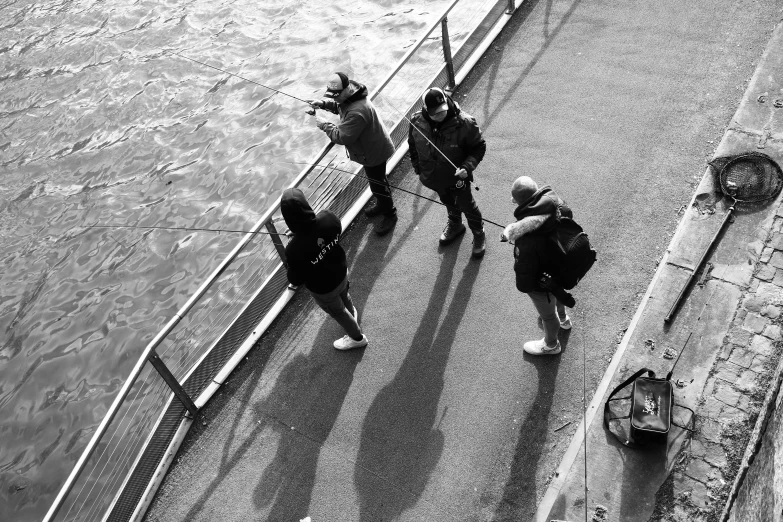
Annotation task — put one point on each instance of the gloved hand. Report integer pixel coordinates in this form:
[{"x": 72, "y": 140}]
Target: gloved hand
[
  {"x": 320, "y": 122},
  {"x": 556, "y": 290},
  {"x": 316, "y": 104}
]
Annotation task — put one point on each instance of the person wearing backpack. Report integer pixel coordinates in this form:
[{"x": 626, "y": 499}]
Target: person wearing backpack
[{"x": 537, "y": 215}]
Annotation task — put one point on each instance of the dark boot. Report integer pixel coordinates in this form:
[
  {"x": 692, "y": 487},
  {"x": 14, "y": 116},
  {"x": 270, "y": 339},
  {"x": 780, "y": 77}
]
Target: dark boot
[
  {"x": 451, "y": 232},
  {"x": 479, "y": 244},
  {"x": 373, "y": 209},
  {"x": 386, "y": 226}
]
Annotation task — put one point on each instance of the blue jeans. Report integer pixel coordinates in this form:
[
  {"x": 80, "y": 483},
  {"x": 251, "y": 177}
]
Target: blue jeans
[
  {"x": 338, "y": 304},
  {"x": 549, "y": 308}
]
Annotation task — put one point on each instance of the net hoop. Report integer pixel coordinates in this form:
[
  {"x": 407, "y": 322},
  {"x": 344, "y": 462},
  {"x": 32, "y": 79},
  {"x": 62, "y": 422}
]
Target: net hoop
[{"x": 751, "y": 177}]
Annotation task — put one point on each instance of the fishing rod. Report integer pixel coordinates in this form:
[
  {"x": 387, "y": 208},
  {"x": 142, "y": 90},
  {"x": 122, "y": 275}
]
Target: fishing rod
[
  {"x": 389, "y": 184},
  {"x": 423, "y": 135},
  {"x": 192, "y": 229},
  {"x": 238, "y": 76}
]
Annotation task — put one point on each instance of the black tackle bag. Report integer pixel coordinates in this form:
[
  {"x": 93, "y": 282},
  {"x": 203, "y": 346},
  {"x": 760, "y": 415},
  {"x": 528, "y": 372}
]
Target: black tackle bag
[{"x": 652, "y": 406}]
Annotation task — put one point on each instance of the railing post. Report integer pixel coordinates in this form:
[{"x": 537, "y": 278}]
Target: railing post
[
  {"x": 447, "y": 53},
  {"x": 276, "y": 239},
  {"x": 175, "y": 386},
  {"x": 511, "y": 7}
]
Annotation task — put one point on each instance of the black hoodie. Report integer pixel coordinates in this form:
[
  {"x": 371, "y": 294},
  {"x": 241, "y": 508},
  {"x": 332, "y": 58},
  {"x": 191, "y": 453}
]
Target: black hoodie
[{"x": 313, "y": 256}]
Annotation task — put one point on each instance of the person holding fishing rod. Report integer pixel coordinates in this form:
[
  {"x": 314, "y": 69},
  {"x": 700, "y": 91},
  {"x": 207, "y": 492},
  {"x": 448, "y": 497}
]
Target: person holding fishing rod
[
  {"x": 315, "y": 258},
  {"x": 446, "y": 146},
  {"x": 365, "y": 138},
  {"x": 537, "y": 215}
]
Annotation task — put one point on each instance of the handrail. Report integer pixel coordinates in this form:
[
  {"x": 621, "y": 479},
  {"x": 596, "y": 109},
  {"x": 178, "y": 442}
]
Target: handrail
[
  {"x": 413, "y": 49},
  {"x": 204, "y": 287}
]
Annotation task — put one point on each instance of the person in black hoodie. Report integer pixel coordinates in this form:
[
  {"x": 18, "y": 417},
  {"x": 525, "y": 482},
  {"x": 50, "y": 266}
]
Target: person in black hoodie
[
  {"x": 446, "y": 146},
  {"x": 537, "y": 214},
  {"x": 365, "y": 138},
  {"x": 315, "y": 258}
]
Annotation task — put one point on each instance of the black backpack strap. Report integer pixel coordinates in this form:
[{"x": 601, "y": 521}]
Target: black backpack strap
[{"x": 625, "y": 383}]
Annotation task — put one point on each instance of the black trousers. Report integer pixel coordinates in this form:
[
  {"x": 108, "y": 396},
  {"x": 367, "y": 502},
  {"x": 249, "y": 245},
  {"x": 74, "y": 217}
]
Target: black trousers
[
  {"x": 379, "y": 186},
  {"x": 459, "y": 200}
]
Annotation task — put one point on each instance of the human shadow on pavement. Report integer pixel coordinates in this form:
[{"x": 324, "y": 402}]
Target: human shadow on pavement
[
  {"x": 518, "y": 500},
  {"x": 296, "y": 415},
  {"x": 312, "y": 390},
  {"x": 305, "y": 403},
  {"x": 314, "y": 387},
  {"x": 401, "y": 442}
]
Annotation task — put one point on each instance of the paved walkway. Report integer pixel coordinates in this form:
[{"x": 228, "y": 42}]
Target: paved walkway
[
  {"x": 731, "y": 324},
  {"x": 443, "y": 417}
]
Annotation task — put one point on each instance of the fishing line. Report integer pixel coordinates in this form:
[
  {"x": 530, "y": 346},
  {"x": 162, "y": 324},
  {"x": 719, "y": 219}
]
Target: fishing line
[
  {"x": 193, "y": 229},
  {"x": 584, "y": 403},
  {"x": 238, "y": 76},
  {"x": 390, "y": 186}
]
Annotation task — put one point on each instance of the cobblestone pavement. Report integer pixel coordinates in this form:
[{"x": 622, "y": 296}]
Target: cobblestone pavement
[
  {"x": 699, "y": 487},
  {"x": 729, "y": 333}
]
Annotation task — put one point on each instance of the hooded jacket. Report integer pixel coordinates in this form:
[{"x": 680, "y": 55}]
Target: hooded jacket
[
  {"x": 360, "y": 130},
  {"x": 536, "y": 218},
  {"x": 313, "y": 256},
  {"x": 458, "y": 137}
]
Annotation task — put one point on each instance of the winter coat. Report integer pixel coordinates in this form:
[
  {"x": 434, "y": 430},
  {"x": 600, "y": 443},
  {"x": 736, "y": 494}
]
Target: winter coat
[
  {"x": 360, "y": 130},
  {"x": 313, "y": 256},
  {"x": 458, "y": 137},
  {"x": 531, "y": 234}
]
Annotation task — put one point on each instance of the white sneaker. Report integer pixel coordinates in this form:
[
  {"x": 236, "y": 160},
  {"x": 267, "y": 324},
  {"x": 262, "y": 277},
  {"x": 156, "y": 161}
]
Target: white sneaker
[
  {"x": 566, "y": 323},
  {"x": 540, "y": 348},
  {"x": 348, "y": 343}
]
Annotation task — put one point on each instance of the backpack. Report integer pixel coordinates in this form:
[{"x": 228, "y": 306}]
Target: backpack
[{"x": 572, "y": 252}]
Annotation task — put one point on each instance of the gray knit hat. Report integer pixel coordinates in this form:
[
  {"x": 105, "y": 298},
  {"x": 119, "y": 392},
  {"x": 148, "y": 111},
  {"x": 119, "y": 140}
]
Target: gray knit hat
[{"x": 522, "y": 188}]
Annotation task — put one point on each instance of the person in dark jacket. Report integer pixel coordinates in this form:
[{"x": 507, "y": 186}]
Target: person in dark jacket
[
  {"x": 537, "y": 214},
  {"x": 315, "y": 258},
  {"x": 365, "y": 138},
  {"x": 446, "y": 146}
]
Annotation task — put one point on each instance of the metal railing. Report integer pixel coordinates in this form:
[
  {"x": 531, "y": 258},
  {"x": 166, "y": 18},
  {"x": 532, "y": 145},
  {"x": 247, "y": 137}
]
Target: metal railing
[{"x": 230, "y": 282}]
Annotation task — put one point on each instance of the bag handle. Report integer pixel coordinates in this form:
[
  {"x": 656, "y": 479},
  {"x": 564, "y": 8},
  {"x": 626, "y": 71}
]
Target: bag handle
[
  {"x": 625, "y": 383},
  {"x": 692, "y": 419}
]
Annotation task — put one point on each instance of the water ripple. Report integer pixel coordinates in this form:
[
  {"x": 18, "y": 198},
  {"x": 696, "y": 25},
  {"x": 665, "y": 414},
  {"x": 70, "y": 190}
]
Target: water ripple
[{"x": 99, "y": 125}]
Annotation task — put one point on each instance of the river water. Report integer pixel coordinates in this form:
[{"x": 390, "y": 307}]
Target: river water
[{"x": 100, "y": 126}]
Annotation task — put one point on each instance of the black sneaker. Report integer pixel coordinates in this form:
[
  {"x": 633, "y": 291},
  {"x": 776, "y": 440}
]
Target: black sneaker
[
  {"x": 479, "y": 244},
  {"x": 386, "y": 225},
  {"x": 373, "y": 210},
  {"x": 451, "y": 232}
]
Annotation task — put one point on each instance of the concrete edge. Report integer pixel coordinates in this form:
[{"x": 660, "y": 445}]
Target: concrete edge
[{"x": 562, "y": 471}]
